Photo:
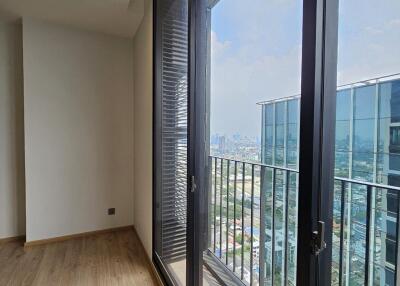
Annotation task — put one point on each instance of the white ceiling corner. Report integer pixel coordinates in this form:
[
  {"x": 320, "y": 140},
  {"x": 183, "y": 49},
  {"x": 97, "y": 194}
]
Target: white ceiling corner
[{"x": 116, "y": 17}]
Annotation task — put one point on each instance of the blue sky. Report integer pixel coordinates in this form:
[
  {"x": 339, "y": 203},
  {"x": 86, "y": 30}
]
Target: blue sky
[{"x": 256, "y": 54}]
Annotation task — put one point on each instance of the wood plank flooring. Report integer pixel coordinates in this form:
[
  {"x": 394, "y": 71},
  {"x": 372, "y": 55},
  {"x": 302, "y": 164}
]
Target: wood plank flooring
[{"x": 115, "y": 258}]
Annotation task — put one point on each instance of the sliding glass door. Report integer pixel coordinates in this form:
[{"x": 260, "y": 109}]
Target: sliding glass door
[
  {"x": 254, "y": 113},
  {"x": 367, "y": 170},
  {"x": 244, "y": 121}
]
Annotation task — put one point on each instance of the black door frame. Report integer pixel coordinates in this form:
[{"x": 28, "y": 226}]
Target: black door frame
[
  {"x": 198, "y": 141},
  {"x": 318, "y": 101},
  {"x": 317, "y": 137},
  {"x": 196, "y": 105}
]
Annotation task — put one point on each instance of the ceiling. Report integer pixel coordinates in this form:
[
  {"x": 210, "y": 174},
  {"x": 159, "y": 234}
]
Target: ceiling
[{"x": 116, "y": 17}]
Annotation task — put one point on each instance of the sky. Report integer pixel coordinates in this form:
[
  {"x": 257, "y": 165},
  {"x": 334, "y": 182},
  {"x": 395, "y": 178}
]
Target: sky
[{"x": 256, "y": 54}]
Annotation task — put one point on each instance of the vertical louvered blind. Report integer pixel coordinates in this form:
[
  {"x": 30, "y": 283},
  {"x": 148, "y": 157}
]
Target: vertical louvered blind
[{"x": 173, "y": 123}]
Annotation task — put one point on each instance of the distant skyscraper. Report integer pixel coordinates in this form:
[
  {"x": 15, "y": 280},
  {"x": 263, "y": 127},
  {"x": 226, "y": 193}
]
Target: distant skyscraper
[
  {"x": 222, "y": 144},
  {"x": 236, "y": 136},
  {"x": 367, "y": 148}
]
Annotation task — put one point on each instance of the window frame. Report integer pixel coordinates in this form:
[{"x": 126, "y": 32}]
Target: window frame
[{"x": 316, "y": 156}]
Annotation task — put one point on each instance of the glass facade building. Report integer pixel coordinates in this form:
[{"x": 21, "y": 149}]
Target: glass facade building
[{"x": 367, "y": 149}]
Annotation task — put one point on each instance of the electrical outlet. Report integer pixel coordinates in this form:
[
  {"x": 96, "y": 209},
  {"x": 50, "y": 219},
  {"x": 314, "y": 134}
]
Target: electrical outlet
[{"x": 111, "y": 211}]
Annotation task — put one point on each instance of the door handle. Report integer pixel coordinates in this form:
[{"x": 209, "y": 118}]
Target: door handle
[{"x": 318, "y": 242}]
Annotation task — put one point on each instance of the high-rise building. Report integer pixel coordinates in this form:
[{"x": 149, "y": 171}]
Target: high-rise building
[{"x": 367, "y": 148}]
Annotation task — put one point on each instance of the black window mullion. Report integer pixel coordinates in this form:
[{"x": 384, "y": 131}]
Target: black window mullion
[
  {"x": 317, "y": 131},
  {"x": 198, "y": 140}
]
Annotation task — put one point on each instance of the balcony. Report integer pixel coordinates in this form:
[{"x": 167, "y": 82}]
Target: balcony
[{"x": 250, "y": 203}]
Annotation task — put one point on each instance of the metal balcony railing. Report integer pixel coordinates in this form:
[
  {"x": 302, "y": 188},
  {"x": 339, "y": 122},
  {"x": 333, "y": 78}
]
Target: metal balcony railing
[
  {"x": 365, "y": 233},
  {"x": 250, "y": 203}
]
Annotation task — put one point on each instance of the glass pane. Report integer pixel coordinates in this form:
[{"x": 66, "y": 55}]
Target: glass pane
[
  {"x": 254, "y": 124},
  {"x": 343, "y": 102},
  {"x": 363, "y": 135},
  {"x": 364, "y": 102},
  {"x": 342, "y": 135},
  {"x": 365, "y": 226}
]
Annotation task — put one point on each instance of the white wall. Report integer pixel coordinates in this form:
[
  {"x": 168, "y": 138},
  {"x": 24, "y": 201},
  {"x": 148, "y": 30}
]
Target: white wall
[
  {"x": 12, "y": 192},
  {"x": 143, "y": 82},
  {"x": 78, "y": 95}
]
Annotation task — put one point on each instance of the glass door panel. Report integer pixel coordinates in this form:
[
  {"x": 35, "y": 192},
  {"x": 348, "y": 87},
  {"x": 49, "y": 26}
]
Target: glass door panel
[
  {"x": 365, "y": 246},
  {"x": 254, "y": 76}
]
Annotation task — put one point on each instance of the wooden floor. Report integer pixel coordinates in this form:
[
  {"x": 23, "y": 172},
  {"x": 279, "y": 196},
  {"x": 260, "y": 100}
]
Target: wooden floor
[{"x": 105, "y": 259}]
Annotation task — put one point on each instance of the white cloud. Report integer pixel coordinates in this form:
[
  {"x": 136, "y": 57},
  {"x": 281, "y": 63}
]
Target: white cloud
[
  {"x": 256, "y": 50},
  {"x": 218, "y": 48},
  {"x": 394, "y": 24},
  {"x": 255, "y": 57},
  {"x": 239, "y": 83}
]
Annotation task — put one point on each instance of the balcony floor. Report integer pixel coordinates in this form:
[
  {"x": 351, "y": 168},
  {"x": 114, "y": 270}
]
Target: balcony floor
[{"x": 179, "y": 271}]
